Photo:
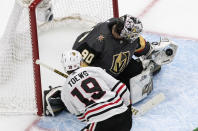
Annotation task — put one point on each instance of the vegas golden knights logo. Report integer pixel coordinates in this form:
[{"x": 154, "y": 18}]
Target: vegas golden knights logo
[{"x": 120, "y": 61}]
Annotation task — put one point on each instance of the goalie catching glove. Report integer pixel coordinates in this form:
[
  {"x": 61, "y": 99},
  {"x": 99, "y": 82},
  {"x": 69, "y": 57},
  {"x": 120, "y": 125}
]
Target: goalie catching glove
[{"x": 160, "y": 53}]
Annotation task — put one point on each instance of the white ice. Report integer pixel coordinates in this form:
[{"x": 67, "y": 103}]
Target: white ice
[{"x": 178, "y": 81}]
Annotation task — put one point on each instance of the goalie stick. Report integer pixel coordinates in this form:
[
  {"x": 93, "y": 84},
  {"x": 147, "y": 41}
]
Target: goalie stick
[{"x": 154, "y": 101}]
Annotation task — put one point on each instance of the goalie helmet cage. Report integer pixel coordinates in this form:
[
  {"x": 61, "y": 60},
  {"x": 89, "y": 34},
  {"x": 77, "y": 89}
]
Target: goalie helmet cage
[{"x": 20, "y": 81}]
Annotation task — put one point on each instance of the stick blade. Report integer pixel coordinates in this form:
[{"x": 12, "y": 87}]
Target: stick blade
[{"x": 154, "y": 101}]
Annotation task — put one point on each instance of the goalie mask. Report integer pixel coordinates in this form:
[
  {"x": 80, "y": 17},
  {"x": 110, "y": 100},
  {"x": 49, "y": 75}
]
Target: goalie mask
[
  {"x": 71, "y": 60},
  {"x": 132, "y": 27}
]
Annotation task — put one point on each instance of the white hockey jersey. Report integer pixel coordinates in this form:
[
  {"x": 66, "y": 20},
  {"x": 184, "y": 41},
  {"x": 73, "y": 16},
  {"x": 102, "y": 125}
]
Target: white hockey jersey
[{"x": 93, "y": 95}]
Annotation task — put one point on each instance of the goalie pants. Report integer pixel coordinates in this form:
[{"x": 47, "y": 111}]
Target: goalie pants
[
  {"x": 133, "y": 68},
  {"x": 120, "y": 122}
]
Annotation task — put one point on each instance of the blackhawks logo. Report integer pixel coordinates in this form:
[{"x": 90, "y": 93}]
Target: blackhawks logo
[{"x": 120, "y": 61}]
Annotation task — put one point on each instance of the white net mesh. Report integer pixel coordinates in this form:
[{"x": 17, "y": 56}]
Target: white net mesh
[
  {"x": 17, "y": 84},
  {"x": 16, "y": 70},
  {"x": 99, "y": 10},
  {"x": 82, "y": 12}
]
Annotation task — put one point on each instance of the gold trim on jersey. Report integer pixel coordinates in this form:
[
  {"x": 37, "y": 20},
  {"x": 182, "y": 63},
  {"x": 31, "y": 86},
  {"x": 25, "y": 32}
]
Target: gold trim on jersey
[
  {"x": 142, "y": 44},
  {"x": 120, "y": 61}
]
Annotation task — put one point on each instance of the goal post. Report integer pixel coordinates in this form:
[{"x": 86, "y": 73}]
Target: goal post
[
  {"x": 115, "y": 8},
  {"x": 35, "y": 52},
  {"x": 20, "y": 79}
]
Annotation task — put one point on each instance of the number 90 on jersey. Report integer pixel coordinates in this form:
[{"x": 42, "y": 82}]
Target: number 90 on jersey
[{"x": 87, "y": 56}]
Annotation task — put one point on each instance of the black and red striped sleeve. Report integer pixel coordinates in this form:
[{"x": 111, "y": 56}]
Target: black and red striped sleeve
[{"x": 121, "y": 89}]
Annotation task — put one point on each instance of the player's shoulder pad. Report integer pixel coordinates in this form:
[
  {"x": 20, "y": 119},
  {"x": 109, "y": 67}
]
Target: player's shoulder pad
[
  {"x": 88, "y": 53},
  {"x": 112, "y": 22}
]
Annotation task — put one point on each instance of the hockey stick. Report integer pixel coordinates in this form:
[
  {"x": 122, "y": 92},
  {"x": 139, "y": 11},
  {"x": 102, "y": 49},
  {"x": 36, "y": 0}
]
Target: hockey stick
[
  {"x": 50, "y": 68},
  {"x": 135, "y": 111},
  {"x": 154, "y": 101}
]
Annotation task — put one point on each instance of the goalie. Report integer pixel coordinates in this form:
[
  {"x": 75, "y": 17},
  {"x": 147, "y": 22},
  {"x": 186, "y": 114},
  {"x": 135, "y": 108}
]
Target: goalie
[
  {"x": 112, "y": 46},
  {"x": 92, "y": 95}
]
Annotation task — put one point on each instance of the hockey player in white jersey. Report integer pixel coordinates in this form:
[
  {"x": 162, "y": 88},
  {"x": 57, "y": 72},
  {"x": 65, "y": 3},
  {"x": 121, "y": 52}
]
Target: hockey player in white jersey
[{"x": 94, "y": 96}]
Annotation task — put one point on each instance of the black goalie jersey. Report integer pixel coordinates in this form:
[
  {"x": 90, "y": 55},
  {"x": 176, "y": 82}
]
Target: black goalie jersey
[{"x": 99, "y": 48}]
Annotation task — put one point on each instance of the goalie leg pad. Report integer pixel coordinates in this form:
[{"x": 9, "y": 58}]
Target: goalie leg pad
[
  {"x": 141, "y": 86},
  {"x": 52, "y": 101}
]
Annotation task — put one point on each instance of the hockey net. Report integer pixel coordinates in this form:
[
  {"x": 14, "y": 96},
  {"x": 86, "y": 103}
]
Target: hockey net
[{"x": 20, "y": 83}]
